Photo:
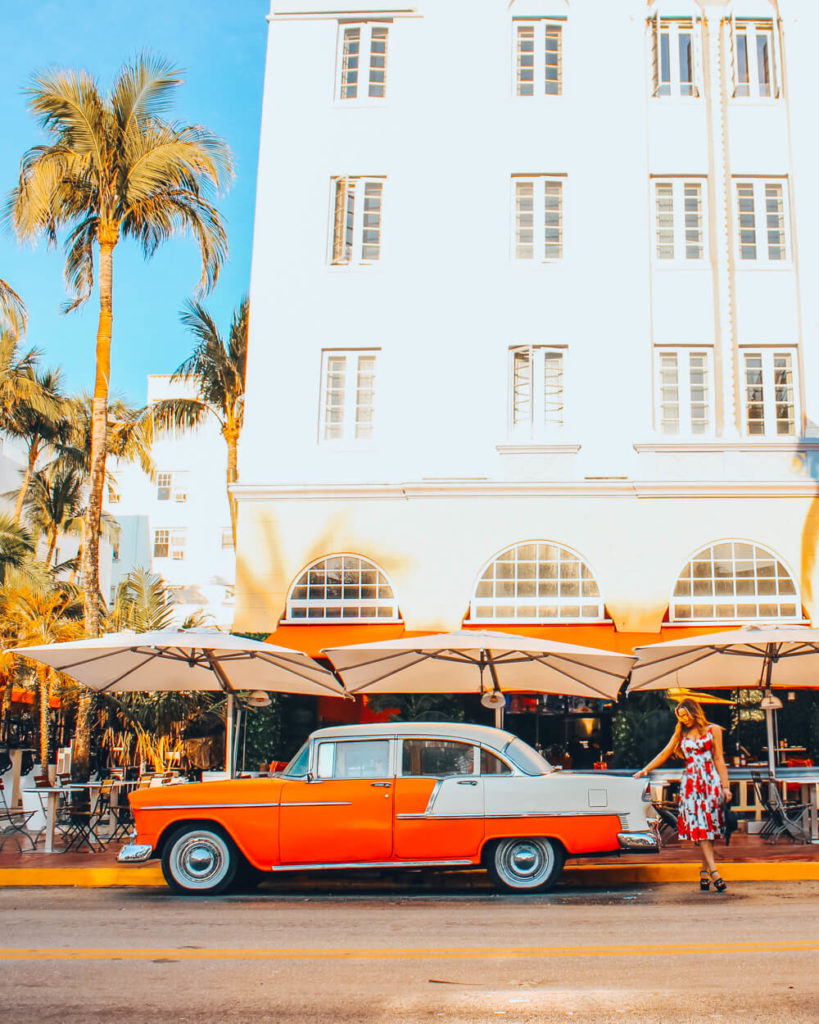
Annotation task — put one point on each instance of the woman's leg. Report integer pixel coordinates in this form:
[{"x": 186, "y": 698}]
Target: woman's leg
[{"x": 707, "y": 855}]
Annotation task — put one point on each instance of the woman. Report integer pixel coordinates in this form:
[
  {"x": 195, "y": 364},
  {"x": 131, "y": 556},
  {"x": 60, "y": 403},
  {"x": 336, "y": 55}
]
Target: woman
[{"x": 701, "y": 795}]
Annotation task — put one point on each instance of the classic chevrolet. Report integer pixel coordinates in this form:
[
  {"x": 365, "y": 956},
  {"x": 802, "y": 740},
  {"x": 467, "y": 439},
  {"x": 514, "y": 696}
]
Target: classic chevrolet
[{"x": 396, "y": 795}]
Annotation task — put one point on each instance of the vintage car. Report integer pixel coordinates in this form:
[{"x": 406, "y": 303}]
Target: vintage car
[{"x": 396, "y": 795}]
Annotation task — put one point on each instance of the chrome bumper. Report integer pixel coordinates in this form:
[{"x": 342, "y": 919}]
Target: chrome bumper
[
  {"x": 634, "y": 842},
  {"x": 133, "y": 853}
]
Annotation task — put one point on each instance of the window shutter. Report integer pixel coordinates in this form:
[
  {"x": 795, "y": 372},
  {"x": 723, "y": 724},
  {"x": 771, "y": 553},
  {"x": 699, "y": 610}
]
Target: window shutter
[
  {"x": 339, "y": 220},
  {"x": 696, "y": 40},
  {"x": 654, "y": 29},
  {"x": 778, "y": 70}
]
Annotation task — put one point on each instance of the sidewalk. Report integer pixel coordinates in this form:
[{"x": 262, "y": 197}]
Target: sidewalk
[{"x": 748, "y": 858}]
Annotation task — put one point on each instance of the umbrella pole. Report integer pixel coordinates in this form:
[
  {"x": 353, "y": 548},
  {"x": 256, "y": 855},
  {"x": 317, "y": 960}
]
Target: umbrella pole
[
  {"x": 229, "y": 735},
  {"x": 769, "y": 723},
  {"x": 237, "y": 732}
]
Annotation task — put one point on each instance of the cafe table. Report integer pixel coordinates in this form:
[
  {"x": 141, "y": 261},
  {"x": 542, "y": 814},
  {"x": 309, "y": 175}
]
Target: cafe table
[{"x": 53, "y": 794}]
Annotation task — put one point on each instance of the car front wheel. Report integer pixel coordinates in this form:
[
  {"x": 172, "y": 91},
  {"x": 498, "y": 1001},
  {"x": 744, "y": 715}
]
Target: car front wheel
[
  {"x": 200, "y": 861},
  {"x": 525, "y": 865}
]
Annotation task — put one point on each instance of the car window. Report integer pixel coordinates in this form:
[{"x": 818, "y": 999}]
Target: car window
[
  {"x": 437, "y": 757},
  {"x": 298, "y": 765},
  {"x": 356, "y": 759},
  {"x": 526, "y": 758},
  {"x": 491, "y": 764}
]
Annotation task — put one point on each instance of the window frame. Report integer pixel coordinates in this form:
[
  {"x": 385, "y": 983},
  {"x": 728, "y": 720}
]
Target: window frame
[
  {"x": 524, "y": 601},
  {"x": 540, "y": 243},
  {"x": 540, "y": 26},
  {"x": 355, "y": 186},
  {"x": 366, "y": 564},
  {"x": 768, "y": 353},
  {"x": 756, "y": 27},
  {"x": 760, "y": 212},
  {"x": 536, "y": 427},
  {"x": 334, "y": 742},
  {"x": 684, "y": 396},
  {"x": 176, "y": 543},
  {"x": 679, "y": 226},
  {"x": 476, "y": 757},
  {"x": 351, "y": 406},
  {"x": 658, "y": 24},
  {"x": 364, "y": 83},
  {"x": 736, "y": 599}
]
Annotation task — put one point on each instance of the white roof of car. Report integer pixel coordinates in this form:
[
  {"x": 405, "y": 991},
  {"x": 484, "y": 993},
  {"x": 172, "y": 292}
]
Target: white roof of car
[{"x": 466, "y": 733}]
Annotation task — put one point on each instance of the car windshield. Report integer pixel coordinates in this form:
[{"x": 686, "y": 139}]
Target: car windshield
[
  {"x": 298, "y": 766},
  {"x": 526, "y": 758}
]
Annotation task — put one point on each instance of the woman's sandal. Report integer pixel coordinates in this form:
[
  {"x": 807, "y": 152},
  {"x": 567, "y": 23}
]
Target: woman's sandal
[
  {"x": 705, "y": 883},
  {"x": 719, "y": 884}
]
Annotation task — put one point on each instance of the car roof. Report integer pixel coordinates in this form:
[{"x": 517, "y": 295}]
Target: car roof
[{"x": 466, "y": 732}]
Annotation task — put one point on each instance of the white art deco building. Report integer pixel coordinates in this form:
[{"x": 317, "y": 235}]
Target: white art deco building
[{"x": 534, "y": 321}]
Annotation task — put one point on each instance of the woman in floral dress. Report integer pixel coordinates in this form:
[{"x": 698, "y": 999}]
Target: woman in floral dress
[{"x": 703, "y": 786}]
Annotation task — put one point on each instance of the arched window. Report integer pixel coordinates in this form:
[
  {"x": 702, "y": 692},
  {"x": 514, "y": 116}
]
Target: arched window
[
  {"x": 734, "y": 579},
  {"x": 342, "y": 587},
  {"x": 534, "y": 581}
]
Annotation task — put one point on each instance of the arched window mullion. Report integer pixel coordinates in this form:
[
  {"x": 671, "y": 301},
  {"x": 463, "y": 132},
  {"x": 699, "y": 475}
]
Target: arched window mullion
[{"x": 342, "y": 588}]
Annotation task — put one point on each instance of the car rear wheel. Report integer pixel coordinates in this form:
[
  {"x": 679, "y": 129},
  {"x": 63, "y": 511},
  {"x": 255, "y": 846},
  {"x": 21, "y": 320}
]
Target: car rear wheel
[
  {"x": 200, "y": 861},
  {"x": 525, "y": 865}
]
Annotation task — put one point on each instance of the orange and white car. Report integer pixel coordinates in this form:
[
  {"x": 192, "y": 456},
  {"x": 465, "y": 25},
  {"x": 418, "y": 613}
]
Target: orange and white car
[{"x": 395, "y": 795}]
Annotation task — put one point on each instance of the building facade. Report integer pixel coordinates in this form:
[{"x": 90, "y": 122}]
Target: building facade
[
  {"x": 177, "y": 524},
  {"x": 534, "y": 328}
]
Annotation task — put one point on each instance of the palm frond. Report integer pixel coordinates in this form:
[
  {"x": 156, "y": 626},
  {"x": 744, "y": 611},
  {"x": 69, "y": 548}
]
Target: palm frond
[
  {"x": 67, "y": 105},
  {"x": 173, "y": 415},
  {"x": 79, "y": 262},
  {"x": 13, "y": 315},
  {"x": 143, "y": 90}
]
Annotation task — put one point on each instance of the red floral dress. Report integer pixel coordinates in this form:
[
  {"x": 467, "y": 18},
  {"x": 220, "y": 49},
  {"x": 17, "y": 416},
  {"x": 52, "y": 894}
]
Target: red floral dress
[{"x": 701, "y": 806}]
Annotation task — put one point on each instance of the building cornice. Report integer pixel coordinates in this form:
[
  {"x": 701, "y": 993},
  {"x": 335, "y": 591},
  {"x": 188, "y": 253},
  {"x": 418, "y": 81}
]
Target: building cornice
[
  {"x": 345, "y": 14},
  {"x": 535, "y": 448},
  {"x": 698, "y": 447},
  {"x": 799, "y": 488}
]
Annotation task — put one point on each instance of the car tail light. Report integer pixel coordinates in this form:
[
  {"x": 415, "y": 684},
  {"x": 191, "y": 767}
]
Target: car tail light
[{"x": 647, "y": 793}]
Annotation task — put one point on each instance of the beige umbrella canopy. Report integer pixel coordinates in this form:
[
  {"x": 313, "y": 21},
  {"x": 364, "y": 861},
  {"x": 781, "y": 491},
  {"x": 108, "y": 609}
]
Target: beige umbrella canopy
[
  {"x": 474, "y": 661},
  {"x": 745, "y": 658},
  {"x": 185, "y": 659}
]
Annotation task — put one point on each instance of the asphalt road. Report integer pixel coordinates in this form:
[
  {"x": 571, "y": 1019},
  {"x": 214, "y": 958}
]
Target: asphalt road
[{"x": 654, "y": 955}]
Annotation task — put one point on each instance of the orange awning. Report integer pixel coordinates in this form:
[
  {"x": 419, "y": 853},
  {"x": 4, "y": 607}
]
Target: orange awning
[{"x": 21, "y": 696}]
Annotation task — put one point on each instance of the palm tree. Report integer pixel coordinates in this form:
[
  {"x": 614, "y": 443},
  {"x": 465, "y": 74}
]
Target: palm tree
[
  {"x": 19, "y": 383},
  {"x": 43, "y": 614},
  {"x": 217, "y": 370},
  {"x": 15, "y": 545},
  {"x": 13, "y": 314},
  {"x": 42, "y": 432},
  {"x": 54, "y": 504},
  {"x": 142, "y": 603},
  {"x": 113, "y": 167}
]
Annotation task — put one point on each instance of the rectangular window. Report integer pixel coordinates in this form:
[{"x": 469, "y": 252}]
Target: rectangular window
[
  {"x": 164, "y": 485},
  {"x": 538, "y": 217},
  {"x": 761, "y": 221},
  {"x": 675, "y": 65},
  {"x": 770, "y": 392},
  {"x": 538, "y": 58},
  {"x": 362, "y": 61},
  {"x": 684, "y": 391},
  {"x": 755, "y": 67},
  {"x": 162, "y": 540},
  {"x": 679, "y": 219},
  {"x": 356, "y": 220},
  {"x": 537, "y": 390},
  {"x": 348, "y": 396}
]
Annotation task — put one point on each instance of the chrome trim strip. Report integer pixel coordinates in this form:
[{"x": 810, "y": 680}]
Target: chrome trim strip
[
  {"x": 343, "y": 865},
  {"x": 519, "y": 814},
  {"x": 316, "y": 803},
  {"x": 638, "y": 841},
  {"x": 203, "y": 807},
  {"x": 134, "y": 853}
]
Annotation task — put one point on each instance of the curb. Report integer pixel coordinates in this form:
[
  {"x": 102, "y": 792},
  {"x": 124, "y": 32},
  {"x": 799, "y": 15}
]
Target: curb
[{"x": 574, "y": 876}]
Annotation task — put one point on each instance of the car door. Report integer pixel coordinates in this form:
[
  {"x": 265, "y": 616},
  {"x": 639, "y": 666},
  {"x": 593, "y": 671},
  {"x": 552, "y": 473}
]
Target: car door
[
  {"x": 344, "y": 813},
  {"x": 438, "y": 801}
]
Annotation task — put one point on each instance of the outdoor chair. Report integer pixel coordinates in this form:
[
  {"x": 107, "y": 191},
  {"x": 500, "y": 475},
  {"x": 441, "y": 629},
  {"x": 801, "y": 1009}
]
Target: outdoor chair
[
  {"x": 14, "y": 822},
  {"x": 83, "y": 819},
  {"x": 667, "y": 813},
  {"x": 783, "y": 819}
]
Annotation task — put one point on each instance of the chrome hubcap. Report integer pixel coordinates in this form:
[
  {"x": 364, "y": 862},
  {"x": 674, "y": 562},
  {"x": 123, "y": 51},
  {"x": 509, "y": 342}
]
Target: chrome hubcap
[
  {"x": 524, "y": 863},
  {"x": 200, "y": 860}
]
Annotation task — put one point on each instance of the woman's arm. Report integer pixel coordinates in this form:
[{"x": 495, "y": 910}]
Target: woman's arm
[
  {"x": 719, "y": 759},
  {"x": 661, "y": 758}
]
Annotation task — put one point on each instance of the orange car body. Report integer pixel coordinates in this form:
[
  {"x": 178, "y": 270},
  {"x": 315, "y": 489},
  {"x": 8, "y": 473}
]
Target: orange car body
[{"x": 431, "y": 794}]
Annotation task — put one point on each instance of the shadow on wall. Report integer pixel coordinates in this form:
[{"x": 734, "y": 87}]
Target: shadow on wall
[{"x": 807, "y": 464}]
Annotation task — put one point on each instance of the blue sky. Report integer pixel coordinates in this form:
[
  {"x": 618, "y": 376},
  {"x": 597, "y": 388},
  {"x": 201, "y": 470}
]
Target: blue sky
[{"x": 220, "y": 46}]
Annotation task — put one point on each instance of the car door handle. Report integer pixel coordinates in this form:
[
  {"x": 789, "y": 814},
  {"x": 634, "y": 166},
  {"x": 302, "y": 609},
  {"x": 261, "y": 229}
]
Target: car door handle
[
  {"x": 382, "y": 785},
  {"x": 467, "y": 782}
]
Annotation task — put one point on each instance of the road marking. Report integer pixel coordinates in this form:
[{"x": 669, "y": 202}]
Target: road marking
[{"x": 448, "y": 953}]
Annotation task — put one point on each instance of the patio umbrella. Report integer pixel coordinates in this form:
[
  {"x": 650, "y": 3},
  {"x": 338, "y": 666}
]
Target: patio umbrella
[
  {"x": 475, "y": 661},
  {"x": 751, "y": 657},
  {"x": 189, "y": 660}
]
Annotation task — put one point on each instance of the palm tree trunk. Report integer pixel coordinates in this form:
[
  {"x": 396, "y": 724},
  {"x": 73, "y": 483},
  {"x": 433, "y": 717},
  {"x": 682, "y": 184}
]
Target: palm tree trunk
[
  {"x": 44, "y": 692},
  {"x": 33, "y": 452},
  {"x": 52, "y": 544},
  {"x": 107, "y": 236},
  {"x": 232, "y": 438}
]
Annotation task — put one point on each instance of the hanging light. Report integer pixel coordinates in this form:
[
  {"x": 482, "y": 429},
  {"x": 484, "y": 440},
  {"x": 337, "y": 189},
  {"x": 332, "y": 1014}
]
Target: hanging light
[
  {"x": 769, "y": 702},
  {"x": 258, "y": 699},
  {"x": 493, "y": 699}
]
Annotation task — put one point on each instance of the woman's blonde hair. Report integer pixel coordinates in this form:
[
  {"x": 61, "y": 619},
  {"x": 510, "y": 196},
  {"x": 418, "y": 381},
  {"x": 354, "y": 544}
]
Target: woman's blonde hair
[{"x": 695, "y": 710}]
